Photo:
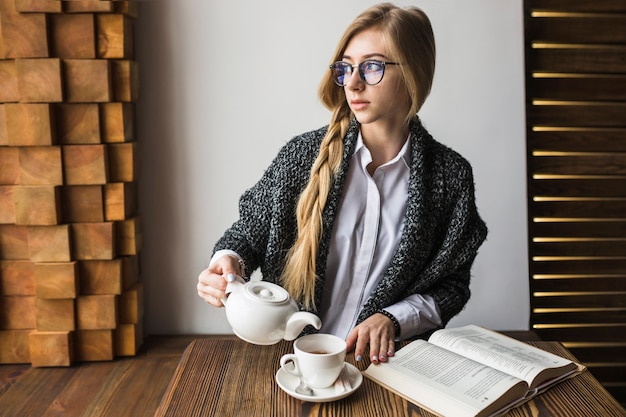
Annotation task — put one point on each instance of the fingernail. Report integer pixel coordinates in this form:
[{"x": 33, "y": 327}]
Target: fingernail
[
  {"x": 374, "y": 358},
  {"x": 230, "y": 277},
  {"x": 390, "y": 353},
  {"x": 358, "y": 358},
  {"x": 382, "y": 357}
]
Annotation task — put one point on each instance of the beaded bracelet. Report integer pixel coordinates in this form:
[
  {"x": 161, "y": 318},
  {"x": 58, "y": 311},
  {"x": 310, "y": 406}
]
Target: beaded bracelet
[
  {"x": 242, "y": 265},
  {"x": 393, "y": 319}
]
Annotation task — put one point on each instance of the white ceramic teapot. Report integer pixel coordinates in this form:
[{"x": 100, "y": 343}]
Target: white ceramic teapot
[{"x": 263, "y": 313}]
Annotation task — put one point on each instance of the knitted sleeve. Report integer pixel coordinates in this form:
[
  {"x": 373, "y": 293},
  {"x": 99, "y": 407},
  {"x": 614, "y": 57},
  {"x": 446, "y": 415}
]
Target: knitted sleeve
[
  {"x": 267, "y": 224},
  {"x": 465, "y": 232}
]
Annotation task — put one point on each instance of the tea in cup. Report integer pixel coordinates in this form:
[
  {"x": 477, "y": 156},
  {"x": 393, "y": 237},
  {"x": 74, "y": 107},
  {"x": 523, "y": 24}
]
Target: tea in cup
[{"x": 318, "y": 359}]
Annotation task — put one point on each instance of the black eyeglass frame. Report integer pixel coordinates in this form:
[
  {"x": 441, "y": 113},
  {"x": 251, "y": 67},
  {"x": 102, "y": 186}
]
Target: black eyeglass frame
[{"x": 360, "y": 67}]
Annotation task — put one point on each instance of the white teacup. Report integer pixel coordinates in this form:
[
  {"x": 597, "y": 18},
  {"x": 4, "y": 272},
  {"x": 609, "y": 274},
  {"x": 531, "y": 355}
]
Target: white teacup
[{"x": 318, "y": 359}]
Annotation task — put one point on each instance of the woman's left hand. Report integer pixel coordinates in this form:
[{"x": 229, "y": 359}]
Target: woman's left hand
[{"x": 377, "y": 331}]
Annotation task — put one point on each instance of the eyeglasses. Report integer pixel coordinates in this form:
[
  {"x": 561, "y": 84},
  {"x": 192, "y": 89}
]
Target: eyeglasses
[{"x": 370, "y": 70}]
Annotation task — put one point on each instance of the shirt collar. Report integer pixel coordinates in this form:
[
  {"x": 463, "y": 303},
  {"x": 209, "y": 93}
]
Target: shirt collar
[{"x": 363, "y": 154}]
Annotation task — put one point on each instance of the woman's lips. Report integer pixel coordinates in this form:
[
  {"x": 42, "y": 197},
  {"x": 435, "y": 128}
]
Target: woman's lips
[{"x": 358, "y": 104}]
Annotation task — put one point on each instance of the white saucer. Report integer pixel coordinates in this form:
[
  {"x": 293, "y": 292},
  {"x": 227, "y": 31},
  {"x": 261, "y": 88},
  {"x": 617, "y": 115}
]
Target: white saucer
[{"x": 288, "y": 383}]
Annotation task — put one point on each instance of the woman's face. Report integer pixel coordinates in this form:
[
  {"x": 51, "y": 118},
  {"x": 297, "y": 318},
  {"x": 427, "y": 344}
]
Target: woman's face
[{"x": 385, "y": 104}]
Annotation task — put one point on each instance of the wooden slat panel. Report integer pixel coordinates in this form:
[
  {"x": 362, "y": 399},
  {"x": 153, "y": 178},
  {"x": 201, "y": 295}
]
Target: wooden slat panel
[
  {"x": 582, "y": 266},
  {"x": 577, "y": 60},
  {"x": 585, "y": 316},
  {"x": 556, "y": 283},
  {"x": 576, "y": 5},
  {"x": 577, "y": 139},
  {"x": 575, "y": 54},
  {"x": 568, "y": 113},
  {"x": 600, "y": 229},
  {"x": 608, "y": 372},
  {"x": 618, "y": 391},
  {"x": 550, "y": 86},
  {"x": 598, "y": 334},
  {"x": 577, "y": 28},
  {"x": 604, "y": 209},
  {"x": 579, "y": 187},
  {"x": 579, "y": 164},
  {"x": 585, "y": 300},
  {"x": 584, "y": 248},
  {"x": 591, "y": 352}
]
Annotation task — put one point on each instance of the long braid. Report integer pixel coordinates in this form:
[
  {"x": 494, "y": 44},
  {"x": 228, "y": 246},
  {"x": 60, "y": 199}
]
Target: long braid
[
  {"x": 410, "y": 39},
  {"x": 299, "y": 275}
]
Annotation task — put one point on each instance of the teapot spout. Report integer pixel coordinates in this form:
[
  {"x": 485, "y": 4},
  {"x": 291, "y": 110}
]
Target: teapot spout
[{"x": 298, "y": 321}]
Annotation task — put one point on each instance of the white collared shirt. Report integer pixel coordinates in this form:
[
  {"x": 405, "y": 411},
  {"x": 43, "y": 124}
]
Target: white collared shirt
[{"x": 367, "y": 231}]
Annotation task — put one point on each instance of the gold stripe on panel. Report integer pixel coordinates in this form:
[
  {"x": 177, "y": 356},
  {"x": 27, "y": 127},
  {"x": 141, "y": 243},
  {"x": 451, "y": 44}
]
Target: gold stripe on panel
[
  {"x": 576, "y": 177},
  {"x": 539, "y": 128},
  {"x": 605, "y": 199},
  {"x": 576, "y": 310},
  {"x": 574, "y": 219},
  {"x": 544, "y": 102},
  {"x": 544, "y": 14},
  {"x": 554, "y": 45},
  {"x": 583, "y": 345},
  {"x": 541, "y": 74},
  {"x": 558, "y": 153},
  {"x": 576, "y": 276},
  {"x": 578, "y": 239},
  {"x": 575, "y": 325}
]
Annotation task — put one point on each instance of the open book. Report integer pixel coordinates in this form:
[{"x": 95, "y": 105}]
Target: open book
[{"x": 470, "y": 371}]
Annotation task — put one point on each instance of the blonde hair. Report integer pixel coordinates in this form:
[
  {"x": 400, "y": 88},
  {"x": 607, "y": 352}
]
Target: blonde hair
[{"x": 409, "y": 37}]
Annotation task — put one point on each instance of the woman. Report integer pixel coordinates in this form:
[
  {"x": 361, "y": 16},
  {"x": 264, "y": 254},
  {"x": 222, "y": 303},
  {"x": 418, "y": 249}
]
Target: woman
[{"x": 368, "y": 222}]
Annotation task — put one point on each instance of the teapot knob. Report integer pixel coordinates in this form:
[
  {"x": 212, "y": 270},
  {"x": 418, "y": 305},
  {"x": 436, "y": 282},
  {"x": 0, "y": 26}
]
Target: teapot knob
[{"x": 265, "y": 293}]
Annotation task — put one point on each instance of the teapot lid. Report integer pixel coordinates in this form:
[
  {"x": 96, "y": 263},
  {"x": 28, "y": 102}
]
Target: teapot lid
[{"x": 267, "y": 292}]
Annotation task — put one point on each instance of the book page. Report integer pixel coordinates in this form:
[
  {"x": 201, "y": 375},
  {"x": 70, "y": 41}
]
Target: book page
[
  {"x": 501, "y": 352},
  {"x": 438, "y": 379}
]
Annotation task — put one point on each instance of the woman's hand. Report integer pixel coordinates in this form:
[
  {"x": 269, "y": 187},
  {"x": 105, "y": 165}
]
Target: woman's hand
[
  {"x": 213, "y": 280},
  {"x": 377, "y": 331}
]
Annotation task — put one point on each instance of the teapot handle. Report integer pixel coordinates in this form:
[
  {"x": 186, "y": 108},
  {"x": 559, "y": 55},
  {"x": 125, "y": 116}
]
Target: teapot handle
[{"x": 233, "y": 286}]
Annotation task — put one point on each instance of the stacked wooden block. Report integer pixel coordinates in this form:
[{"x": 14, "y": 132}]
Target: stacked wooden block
[{"x": 69, "y": 227}]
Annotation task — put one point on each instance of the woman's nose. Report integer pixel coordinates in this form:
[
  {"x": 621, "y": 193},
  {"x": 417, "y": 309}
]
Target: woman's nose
[{"x": 355, "y": 82}]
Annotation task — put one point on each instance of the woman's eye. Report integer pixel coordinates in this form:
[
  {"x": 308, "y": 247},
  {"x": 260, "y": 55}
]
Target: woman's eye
[{"x": 372, "y": 66}]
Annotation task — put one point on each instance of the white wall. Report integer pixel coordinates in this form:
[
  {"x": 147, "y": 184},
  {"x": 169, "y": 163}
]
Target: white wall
[{"x": 218, "y": 101}]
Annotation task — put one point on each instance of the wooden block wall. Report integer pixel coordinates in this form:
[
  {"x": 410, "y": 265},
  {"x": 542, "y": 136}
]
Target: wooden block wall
[{"x": 70, "y": 232}]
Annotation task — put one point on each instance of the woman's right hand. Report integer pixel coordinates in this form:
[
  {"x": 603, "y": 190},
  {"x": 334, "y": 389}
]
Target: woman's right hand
[{"x": 213, "y": 280}]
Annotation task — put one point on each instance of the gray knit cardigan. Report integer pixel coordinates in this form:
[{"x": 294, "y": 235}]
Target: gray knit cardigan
[{"x": 442, "y": 228}]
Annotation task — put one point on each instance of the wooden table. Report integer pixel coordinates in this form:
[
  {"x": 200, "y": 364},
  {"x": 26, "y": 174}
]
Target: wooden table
[{"x": 225, "y": 376}]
